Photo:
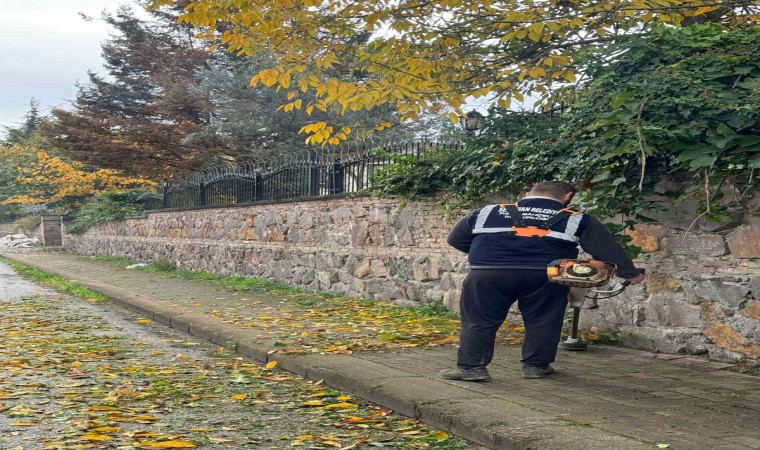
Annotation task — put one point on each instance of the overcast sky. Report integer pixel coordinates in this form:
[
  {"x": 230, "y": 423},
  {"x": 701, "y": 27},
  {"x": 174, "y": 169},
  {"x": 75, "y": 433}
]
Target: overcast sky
[{"x": 45, "y": 48}]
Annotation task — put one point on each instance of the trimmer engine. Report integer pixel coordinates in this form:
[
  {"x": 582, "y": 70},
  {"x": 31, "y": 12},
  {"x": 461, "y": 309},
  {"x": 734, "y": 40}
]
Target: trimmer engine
[{"x": 580, "y": 273}]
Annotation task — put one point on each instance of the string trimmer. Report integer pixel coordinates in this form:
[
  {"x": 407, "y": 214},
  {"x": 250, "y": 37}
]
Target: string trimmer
[{"x": 582, "y": 276}]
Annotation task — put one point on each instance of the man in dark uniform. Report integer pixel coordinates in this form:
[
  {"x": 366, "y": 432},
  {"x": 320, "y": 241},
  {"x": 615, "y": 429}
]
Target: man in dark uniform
[{"x": 509, "y": 247}]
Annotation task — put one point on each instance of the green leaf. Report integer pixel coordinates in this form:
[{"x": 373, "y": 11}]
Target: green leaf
[
  {"x": 754, "y": 162},
  {"x": 619, "y": 99},
  {"x": 703, "y": 161},
  {"x": 618, "y": 180},
  {"x": 663, "y": 445},
  {"x": 748, "y": 141},
  {"x": 601, "y": 177}
]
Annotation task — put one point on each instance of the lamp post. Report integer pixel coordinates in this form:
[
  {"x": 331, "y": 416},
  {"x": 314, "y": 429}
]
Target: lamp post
[{"x": 470, "y": 122}]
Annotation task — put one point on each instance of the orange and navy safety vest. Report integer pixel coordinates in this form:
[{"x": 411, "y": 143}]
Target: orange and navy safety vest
[{"x": 528, "y": 221}]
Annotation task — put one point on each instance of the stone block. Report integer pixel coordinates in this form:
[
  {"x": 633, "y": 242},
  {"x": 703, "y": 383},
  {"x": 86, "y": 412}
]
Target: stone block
[
  {"x": 408, "y": 216},
  {"x": 747, "y": 326},
  {"x": 378, "y": 268},
  {"x": 714, "y": 227},
  {"x": 447, "y": 282},
  {"x": 679, "y": 215},
  {"x": 358, "y": 287},
  {"x": 729, "y": 339},
  {"x": 373, "y": 286},
  {"x": 358, "y": 211},
  {"x": 669, "y": 309},
  {"x": 647, "y": 236},
  {"x": 451, "y": 300},
  {"x": 404, "y": 236},
  {"x": 752, "y": 309},
  {"x": 378, "y": 214},
  {"x": 359, "y": 233},
  {"x": 724, "y": 356},
  {"x": 325, "y": 280},
  {"x": 308, "y": 276},
  {"x": 434, "y": 294},
  {"x": 400, "y": 268},
  {"x": 363, "y": 269},
  {"x": 731, "y": 295},
  {"x": 754, "y": 285},
  {"x": 277, "y": 235},
  {"x": 658, "y": 283},
  {"x": 376, "y": 234},
  {"x": 696, "y": 245},
  {"x": 264, "y": 219},
  {"x": 350, "y": 263},
  {"x": 392, "y": 291},
  {"x": 341, "y": 215},
  {"x": 610, "y": 314},
  {"x": 666, "y": 340},
  {"x": 425, "y": 269},
  {"x": 744, "y": 242}
]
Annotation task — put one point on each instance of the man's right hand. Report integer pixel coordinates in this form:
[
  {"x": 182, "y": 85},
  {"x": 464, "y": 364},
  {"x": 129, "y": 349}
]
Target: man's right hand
[{"x": 636, "y": 280}]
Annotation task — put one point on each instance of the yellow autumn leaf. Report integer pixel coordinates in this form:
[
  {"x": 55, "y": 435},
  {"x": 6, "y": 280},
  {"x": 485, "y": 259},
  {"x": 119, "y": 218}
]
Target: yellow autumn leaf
[
  {"x": 23, "y": 424},
  {"x": 339, "y": 406},
  {"x": 144, "y": 321},
  {"x": 106, "y": 429},
  {"x": 355, "y": 419},
  {"x": 344, "y": 398},
  {"x": 313, "y": 403},
  {"x": 271, "y": 364},
  {"x": 705, "y": 10},
  {"x": 97, "y": 437},
  {"x": 166, "y": 444},
  {"x": 239, "y": 396}
]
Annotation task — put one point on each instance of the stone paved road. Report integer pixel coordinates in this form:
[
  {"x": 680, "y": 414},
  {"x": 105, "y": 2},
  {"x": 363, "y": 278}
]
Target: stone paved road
[{"x": 606, "y": 398}]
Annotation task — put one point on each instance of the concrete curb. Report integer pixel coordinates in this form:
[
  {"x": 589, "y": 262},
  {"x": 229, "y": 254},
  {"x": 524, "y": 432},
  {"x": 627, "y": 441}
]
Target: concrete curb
[{"x": 451, "y": 406}]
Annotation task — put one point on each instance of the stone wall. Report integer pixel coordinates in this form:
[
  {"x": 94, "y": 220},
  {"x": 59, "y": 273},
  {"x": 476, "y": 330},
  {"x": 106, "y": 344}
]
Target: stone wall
[
  {"x": 361, "y": 247},
  {"x": 702, "y": 294},
  {"x": 7, "y": 228}
]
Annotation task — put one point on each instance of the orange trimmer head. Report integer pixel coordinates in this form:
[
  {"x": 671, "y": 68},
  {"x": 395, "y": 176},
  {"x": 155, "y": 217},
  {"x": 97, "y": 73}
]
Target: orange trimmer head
[{"x": 580, "y": 273}]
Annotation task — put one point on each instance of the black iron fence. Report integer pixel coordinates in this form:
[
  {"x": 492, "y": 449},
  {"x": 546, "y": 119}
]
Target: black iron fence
[{"x": 314, "y": 173}]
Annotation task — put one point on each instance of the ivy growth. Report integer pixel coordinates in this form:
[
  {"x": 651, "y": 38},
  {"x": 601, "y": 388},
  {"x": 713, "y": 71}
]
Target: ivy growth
[{"x": 679, "y": 103}]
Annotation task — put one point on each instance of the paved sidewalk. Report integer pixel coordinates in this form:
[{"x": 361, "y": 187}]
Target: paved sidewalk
[{"x": 605, "y": 398}]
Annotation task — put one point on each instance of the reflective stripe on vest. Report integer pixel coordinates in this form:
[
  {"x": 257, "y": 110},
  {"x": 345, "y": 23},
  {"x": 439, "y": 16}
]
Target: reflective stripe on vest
[{"x": 568, "y": 234}]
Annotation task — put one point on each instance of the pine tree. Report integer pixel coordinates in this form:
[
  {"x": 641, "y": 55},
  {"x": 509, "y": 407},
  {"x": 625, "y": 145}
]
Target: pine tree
[
  {"x": 25, "y": 130},
  {"x": 137, "y": 118}
]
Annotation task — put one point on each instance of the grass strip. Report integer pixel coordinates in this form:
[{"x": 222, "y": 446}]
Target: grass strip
[
  {"x": 55, "y": 282},
  {"x": 300, "y": 297}
]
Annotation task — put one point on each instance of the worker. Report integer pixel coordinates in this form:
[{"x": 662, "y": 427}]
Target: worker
[{"x": 509, "y": 247}]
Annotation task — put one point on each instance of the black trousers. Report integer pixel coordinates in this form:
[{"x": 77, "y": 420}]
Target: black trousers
[{"x": 487, "y": 295}]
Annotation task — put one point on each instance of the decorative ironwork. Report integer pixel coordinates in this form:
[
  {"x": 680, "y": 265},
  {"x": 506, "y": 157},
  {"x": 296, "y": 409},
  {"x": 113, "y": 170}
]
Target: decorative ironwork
[{"x": 314, "y": 173}]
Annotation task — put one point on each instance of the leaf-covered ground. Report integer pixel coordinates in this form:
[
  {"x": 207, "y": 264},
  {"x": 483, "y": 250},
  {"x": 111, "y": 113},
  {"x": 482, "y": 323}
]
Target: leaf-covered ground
[
  {"x": 78, "y": 375},
  {"x": 326, "y": 322}
]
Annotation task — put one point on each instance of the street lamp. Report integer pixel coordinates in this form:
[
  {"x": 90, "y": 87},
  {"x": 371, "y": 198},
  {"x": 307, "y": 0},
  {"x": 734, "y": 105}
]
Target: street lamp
[{"x": 470, "y": 122}]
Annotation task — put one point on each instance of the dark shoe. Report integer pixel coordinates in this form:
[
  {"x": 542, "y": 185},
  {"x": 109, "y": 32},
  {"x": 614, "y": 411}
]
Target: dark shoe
[
  {"x": 476, "y": 374},
  {"x": 536, "y": 372}
]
